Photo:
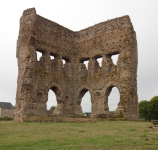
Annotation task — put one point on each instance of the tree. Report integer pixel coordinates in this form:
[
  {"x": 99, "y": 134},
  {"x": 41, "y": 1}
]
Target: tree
[
  {"x": 52, "y": 107},
  {"x": 149, "y": 109},
  {"x": 153, "y": 105},
  {"x": 144, "y": 111}
]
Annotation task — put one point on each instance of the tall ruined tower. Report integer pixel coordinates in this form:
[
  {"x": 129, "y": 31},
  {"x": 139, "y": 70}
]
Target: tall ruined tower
[{"x": 72, "y": 80}]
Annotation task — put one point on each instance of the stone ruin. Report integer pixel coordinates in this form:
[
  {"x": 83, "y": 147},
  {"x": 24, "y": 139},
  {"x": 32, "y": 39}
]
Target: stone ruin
[{"x": 70, "y": 81}]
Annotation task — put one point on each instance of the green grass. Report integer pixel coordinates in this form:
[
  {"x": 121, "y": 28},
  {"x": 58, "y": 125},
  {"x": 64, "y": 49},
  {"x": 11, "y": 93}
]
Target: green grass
[{"x": 111, "y": 135}]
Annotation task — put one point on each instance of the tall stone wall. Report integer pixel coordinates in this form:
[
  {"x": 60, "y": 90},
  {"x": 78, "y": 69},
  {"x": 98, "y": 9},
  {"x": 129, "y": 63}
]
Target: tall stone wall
[{"x": 70, "y": 81}]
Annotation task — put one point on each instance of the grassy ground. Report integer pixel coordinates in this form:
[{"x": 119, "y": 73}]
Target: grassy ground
[{"x": 111, "y": 135}]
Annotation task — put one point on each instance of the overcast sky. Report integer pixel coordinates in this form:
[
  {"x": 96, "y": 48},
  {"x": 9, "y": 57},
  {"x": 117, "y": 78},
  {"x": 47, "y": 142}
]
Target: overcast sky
[{"x": 77, "y": 15}]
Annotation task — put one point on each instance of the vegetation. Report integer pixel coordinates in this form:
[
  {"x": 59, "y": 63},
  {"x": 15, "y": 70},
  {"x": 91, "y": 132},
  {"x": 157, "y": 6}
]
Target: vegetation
[
  {"x": 153, "y": 107},
  {"x": 116, "y": 135},
  {"x": 112, "y": 112},
  {"x": 149, "y": 109},
  {"x": 6, "y": 118},
  {"x": 144, "y": 110},
  {"x": 52, "y": 107}
]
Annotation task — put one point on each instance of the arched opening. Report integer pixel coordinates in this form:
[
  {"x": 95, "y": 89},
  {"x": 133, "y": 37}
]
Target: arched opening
[
  {"x": 85, "y": 61},
  {"x": 52, "y": 101},
  {"x": 100, "y": 61},
  {"x": 114, "y": 58},
  {"x": 113, "y": 98},
  {"x": 65, "y": 60},
  {"x": 39, "y": 55},
  {"x": 51, "y": 57},
  {"x": 85, "y": 102}
]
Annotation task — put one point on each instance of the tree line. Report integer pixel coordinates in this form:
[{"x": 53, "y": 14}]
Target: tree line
[{"x": 149, "y": 109}]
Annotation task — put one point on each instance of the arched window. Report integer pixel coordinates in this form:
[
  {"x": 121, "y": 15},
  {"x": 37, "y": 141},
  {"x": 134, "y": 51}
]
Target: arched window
[
  {"x": 51, "y": 99},
  {"x": 86, "y": 102},
  {"x": 39, "y": 55},
  {"x": 113, "y": 100},
  {"x": 85, "y": 61},
  {"x": 114, "y": 58}
]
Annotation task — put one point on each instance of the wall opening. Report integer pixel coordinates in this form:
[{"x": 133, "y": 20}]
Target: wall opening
[
  {"x": 115, "y": 58},
  {"x": 85, "y": 61},
  {"x": 63, "y": 62},
  {"x": 51, "y": 57},
  {"x": 51, "y": 99},
  {"x": 39, "y": 55},
  {"x": 85, "y": 101},
  {"x": 113, "y": 99},
  {"x": 100, "y": 61}
]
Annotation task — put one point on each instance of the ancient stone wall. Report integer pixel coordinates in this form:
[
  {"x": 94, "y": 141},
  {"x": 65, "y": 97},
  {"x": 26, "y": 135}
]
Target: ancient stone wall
[{"x": 72, "y": 80}]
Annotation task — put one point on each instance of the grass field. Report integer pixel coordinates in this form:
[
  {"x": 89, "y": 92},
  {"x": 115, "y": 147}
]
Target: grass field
[{"x": 111, "y": 135}]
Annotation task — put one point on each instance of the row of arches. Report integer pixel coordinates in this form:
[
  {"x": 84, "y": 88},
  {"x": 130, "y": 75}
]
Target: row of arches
[
  {"x": 86, "y": 104},
  {"x": 113, "y": 57},
  {"x": 39, "y": 55}
]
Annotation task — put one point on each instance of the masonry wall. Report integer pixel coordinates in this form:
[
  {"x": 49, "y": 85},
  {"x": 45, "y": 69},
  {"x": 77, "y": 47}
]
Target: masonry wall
[
  {"x": 115, "y": 36},
  {"x": 6, "y": 112},
  {"x": 72, "y": 80}
]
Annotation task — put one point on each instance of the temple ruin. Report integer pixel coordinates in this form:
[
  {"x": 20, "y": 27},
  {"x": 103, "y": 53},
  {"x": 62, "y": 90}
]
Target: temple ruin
[{"x": 72, "y": 80}]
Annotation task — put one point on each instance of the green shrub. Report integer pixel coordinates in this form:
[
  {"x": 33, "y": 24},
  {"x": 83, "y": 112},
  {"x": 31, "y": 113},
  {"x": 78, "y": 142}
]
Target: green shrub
[
  {"x": 52, "y": 107},
  {"x": 6, "y": 118},
  {"x": 112, "y": 112}
]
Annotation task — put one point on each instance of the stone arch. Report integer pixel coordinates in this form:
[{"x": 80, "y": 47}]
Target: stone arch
[
  {"x": 80, "y": 93},
  {"x": 44, "y": 54},
  {"x": 40, "y": 97},
  {"x": 108, "y": 89},
  {"x": 80, "y": 88},
  {"x": 57, "y": 89}
]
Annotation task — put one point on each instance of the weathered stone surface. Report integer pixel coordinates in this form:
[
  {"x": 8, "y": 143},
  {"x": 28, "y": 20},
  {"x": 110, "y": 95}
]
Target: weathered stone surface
[{"x": 72, "y": 80}]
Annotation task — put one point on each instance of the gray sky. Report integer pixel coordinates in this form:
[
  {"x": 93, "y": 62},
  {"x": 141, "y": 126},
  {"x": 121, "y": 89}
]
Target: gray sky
[{"x": 77, "y": 15}]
